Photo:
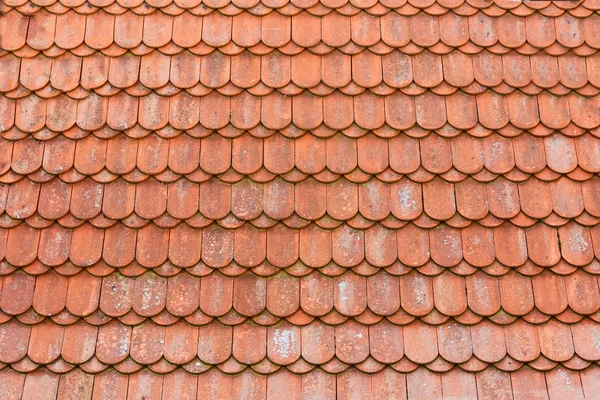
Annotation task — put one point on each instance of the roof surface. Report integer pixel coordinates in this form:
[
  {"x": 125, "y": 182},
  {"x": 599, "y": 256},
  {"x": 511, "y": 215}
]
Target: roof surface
[{"x": 299, "y": 199}]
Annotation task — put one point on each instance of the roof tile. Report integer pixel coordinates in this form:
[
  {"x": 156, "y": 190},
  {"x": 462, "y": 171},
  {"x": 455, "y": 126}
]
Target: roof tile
[
  {"x": 157, "y": 136},
  {"x": 424, "y": 384},
  {"x": 491, "y": 382},
  {"x": 40, "y": 381},
  {"x": 558, "y": 386}
]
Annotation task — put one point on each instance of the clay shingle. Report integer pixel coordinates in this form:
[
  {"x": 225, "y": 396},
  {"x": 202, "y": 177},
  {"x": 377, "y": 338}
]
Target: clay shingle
[{"x": 305, "y": 199}]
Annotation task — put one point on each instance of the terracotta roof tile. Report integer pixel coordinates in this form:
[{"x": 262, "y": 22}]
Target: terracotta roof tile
[{"x": 435, "y": 161}]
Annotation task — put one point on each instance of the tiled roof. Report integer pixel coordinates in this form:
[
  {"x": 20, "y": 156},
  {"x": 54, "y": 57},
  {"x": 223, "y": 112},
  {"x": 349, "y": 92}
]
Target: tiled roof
[{"x": 368, "y": 199}]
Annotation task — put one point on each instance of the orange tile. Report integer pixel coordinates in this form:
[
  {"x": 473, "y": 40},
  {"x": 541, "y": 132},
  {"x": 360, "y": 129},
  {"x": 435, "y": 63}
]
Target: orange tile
[
  {"x": 45, "y": 342},
  {"x": 563, "y": 382},
  {"x": 316, "y": 294},
  {"x": 145, "y": 384},
  {"x": 427, "y": 69},
  {"x": 217, "y": 246},
  {"x": 13, "y": 384},
  {"x": 282, "y": 246},
  {"x": 348, "y": 246},
  {"x": 420, "y": 343},
  {"x": 168, "y": 136},
  {"x": 15, "y": 340},
  {"x": 459, "y": 384},
  {"x": 40, "y": 381},
  {"x": 181, "y": 385},
  {"x": 215, "y": 384},
  {"x": 283, "y": 294},
  {"x": 489, "y": 342},
  {"x": 78, "y": 347},
  {"x": 492, "y": 383},
  {"x": 424, "y": 384},
  {"x": 216, "y": 345}
]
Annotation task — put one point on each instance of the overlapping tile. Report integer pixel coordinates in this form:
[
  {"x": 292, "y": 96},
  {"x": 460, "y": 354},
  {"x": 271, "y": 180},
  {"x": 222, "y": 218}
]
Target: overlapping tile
[
  {"x": 369, "y": 299},
  {"x": 352, "y": 384},
  {"x": 267, "y": 349},
  {"x": 400, "y": 198}
]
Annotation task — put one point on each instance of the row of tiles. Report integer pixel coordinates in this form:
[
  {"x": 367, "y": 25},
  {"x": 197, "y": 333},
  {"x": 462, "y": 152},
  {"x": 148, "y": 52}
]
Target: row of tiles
[
  {"x": 261, "y": 74},
  {"x": 352, "y": 384},
  {"x": 305, "y": 111},
  {"x": 316, "y": 7},
  {"x": 493, "y": 8},
  {"x": 229, "y": 131},
  {"x": 99, "y": 30},
  {"x": 577, "y": 8},
  {"x": 315, "y": 344},
  {"x": 360, "y": 204},
  {"x": 293, "y": 159},
  {"x": 294, "y": 222},
  {"x": 331, "y": 300},
  {"x": 311, "y": 246}
]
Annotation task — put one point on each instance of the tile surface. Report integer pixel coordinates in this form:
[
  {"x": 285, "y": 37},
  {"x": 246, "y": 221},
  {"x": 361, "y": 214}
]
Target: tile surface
[{"x": 305, "y": 199}]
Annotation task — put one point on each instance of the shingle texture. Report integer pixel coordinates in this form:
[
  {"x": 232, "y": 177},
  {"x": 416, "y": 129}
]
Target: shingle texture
[{"x": 364, "y": 199}]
